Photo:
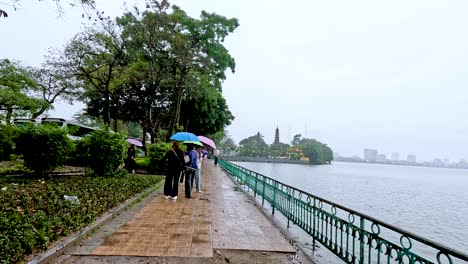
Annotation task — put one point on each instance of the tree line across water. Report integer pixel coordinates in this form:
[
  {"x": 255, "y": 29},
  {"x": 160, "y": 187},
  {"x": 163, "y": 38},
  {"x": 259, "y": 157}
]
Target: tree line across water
[{"x": 300, "y": 148}]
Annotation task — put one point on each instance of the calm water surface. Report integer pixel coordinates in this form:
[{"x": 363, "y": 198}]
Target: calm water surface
[{"x": 431, "y": 202}]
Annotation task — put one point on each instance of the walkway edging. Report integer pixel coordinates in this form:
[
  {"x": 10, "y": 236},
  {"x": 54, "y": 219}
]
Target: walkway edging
[{"x": 54, "y": 252}]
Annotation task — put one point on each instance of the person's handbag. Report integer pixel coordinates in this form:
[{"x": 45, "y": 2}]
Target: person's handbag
[{"x": 186, "y": 159}]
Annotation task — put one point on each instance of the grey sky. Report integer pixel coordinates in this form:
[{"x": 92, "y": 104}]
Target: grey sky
[{"x": 353, "y": 74}]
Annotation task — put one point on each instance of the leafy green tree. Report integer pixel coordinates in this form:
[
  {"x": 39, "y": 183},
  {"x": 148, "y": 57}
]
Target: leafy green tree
[
  {"x": 317, "y": 152},
  {"x": 253, "y": 146},
  {"x": 54, "y": 82},
  {"x": 177, "y": 76},
  {"x": 311, "y": 149},
  {"x": 296, "y": 140},
  {"x": 134, "y": 129},
  {"x": 223, "y": 140},
  {"x": 94, "y": 57},
  {"x": 16, "y": 86},
  {"x": 327, "y": 153},
  {"x": 279, "y": 150}
]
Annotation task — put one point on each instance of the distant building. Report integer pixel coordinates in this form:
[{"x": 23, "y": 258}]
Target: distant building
[
  {"x": 370, "y": 155},
  {"x": 395, "y": 156},
  {"x": 411, "y": 159},
  {"x": 438, "y": 163},
  {"x": 381, "y": 157},
  {"x": 277, "y": 140}
]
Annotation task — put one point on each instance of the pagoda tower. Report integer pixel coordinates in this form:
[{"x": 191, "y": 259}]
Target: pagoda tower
[{"x": 277, "y": 141}]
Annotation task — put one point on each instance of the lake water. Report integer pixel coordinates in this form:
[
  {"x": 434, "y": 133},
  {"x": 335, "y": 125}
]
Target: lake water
[{"x": 431, "y": 202}]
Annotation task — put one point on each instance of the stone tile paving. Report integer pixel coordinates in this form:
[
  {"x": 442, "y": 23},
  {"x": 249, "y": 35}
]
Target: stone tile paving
[{"x": 217, "y": 218}]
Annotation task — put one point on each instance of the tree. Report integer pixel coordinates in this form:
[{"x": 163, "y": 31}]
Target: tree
[
  {"x": 317, "y": 152},
  {"x": 54, "y": 82},
  {"x": 279, "y": 150},
  {"x": 296, "y": 140},
  {"x": 94, "y": 57},
  {"x": 16, "y": 87},
  {"x": 223, "y": 140},
  {"x": 180, "y": 68},
  {"x": 253, "y": 146}
]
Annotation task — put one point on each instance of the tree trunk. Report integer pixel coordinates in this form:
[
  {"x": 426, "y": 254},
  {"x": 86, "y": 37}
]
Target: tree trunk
[
  {"x": 40, "y": 111},
  {"x": 106, "y": 114},
  {"x": 9, "y": 113},
  {"x": 144, "y": 141},
  {"x": 115, "y": 123}
]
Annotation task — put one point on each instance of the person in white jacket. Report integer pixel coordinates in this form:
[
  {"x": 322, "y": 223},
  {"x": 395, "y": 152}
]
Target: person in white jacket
[{"x": 198, "y": 172}]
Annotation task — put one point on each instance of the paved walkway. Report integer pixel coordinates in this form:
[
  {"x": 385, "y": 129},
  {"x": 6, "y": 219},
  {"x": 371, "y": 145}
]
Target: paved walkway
[{"x": 218, "y": 218}]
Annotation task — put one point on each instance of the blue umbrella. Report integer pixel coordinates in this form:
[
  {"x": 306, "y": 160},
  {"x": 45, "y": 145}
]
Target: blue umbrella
[{"x": 184, "y": 136}]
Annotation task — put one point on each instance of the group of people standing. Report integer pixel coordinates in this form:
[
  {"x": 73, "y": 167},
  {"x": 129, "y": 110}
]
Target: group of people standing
[{"x": 179, "y": 165}]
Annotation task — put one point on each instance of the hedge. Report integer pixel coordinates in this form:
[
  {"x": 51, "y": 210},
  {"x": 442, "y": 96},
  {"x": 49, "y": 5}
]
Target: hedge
[
  {"x": 44, "y": 147},
  {"x": 6, "y": 142},
  {"x": 34, "y": 213}
]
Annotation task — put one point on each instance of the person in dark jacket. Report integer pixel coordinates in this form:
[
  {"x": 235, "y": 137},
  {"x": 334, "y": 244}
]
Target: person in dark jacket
[
  {"x": 174, "y": 159},
  {"x": 130, "y": 162}
]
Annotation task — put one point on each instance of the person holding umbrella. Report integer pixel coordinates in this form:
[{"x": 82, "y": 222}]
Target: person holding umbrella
[
  {"x": 175, "y": 163},
  {"x": 130, "y": 163},
  {"x": 192, "y": 167}
]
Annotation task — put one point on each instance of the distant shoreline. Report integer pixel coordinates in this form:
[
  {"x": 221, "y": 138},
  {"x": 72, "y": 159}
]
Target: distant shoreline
[
  {"x": 304, "y": 162},
  {"x": 265, "y": 160},
  {"x": 401, "y": 163}
]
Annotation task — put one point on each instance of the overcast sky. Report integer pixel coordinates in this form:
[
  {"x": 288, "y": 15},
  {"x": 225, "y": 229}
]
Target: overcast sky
[{"x": 389, "y": 75}]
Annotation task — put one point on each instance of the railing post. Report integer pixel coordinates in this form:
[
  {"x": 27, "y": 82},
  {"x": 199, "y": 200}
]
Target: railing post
[
  {"x": 275, "y": 186},
  {"x": 263, "y": 189},
  {"x": 289, "y": 213},
  {"x": 256, "y": 180},
  {"x": 361, "y": 244},
  {"x": 313, "y": 226}
]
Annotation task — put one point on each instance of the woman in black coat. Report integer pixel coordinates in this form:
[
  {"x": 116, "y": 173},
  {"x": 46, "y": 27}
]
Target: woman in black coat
[
  {"x": 175, "y": 164},
  {"x": 130, "y": 162}
]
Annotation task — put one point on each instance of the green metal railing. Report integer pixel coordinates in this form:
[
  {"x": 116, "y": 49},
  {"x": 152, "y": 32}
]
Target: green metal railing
[{"x": 352, "y": 236}]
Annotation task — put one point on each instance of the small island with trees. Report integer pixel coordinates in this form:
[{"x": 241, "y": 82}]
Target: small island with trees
[{"x": 301, "y": 149}]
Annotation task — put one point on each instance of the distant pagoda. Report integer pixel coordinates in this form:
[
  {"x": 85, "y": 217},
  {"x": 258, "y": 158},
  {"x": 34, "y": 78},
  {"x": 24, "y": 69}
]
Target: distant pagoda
[{"x": 276, "y": 136}]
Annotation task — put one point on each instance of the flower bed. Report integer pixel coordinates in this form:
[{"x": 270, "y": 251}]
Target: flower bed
[{"x": 34, "y": 213}]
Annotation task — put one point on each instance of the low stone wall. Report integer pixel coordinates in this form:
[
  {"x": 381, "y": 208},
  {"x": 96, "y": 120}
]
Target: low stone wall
[{"x": 267, "y": 160}]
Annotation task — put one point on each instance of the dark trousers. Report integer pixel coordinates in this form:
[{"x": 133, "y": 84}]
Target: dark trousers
[
  {"x": 216, "y": 161},
  {"x": 189, "y": 176},
  {"x": 171, "y": 185}
]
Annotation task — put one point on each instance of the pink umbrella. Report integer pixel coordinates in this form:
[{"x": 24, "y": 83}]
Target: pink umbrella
[
  {"x": 207, "y": 141},
  {"x": 135, "y": 142}
]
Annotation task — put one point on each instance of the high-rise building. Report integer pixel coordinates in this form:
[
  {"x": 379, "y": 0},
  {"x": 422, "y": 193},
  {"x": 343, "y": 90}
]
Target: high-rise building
[
  {"x": 277, "y": 140},
  {"x": 381, "y": 157},
  {"x": 411, "y": 158},
  {"x": 395, "y": 156},
  {"x": 370, "y": 155}
]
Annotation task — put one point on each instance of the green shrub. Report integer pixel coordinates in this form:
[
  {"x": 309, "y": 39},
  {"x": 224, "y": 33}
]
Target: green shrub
[
  {"x": 43, "y": 147},
  {"x": 107, "y": 151},
  {"x": 34, "y": 213},
  {"x": 80, "y": 155},
  {"x": 6, "y": 142},
  {"x": 143, "y": 163},
  {"x": 156, "y": 153}
]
